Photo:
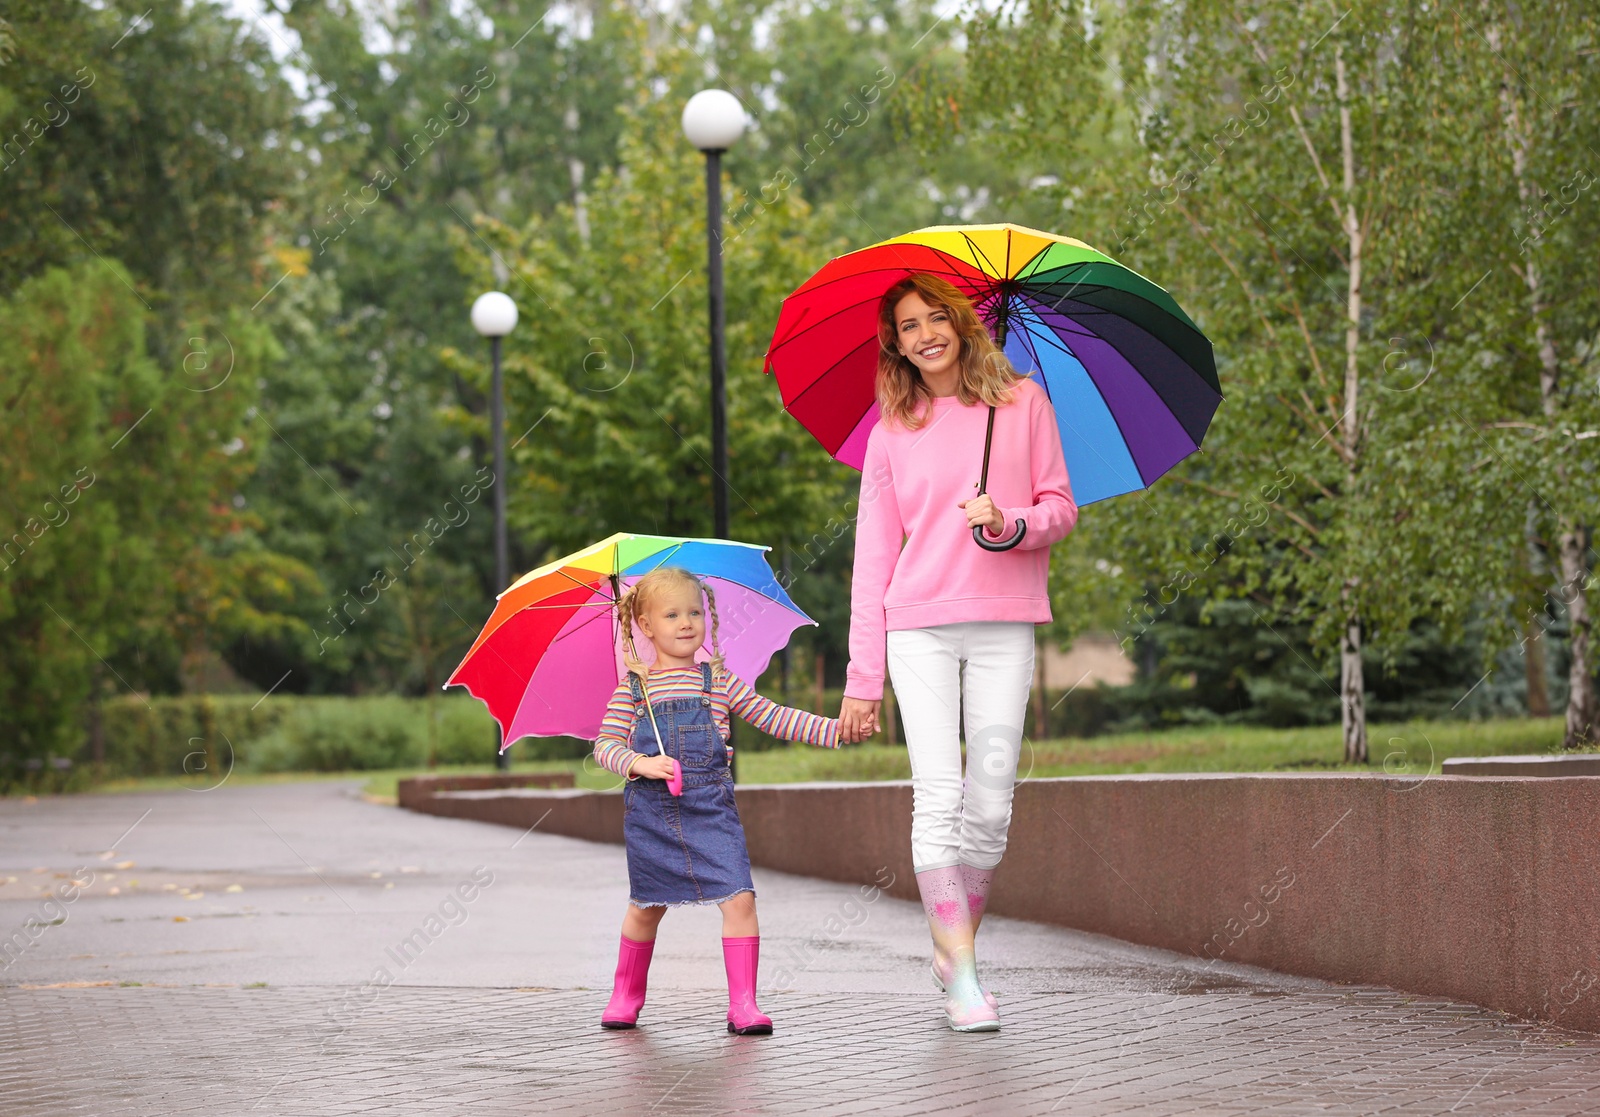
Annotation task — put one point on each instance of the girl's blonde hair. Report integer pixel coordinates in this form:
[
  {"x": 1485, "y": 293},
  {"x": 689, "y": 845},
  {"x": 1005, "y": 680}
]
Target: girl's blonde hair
[
  {"x": 636, "y": 601},
  {"x": 986, "y": 374}
]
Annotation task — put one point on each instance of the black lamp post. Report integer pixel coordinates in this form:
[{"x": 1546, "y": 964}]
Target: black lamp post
[
  {"x": 713, "y": 121},
  {"x": 494, "y": 315}
]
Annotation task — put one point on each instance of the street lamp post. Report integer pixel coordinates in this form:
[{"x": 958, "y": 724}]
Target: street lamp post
[
  {"x": 494, "y": 315},
  {"x": 713, "y": 121}
]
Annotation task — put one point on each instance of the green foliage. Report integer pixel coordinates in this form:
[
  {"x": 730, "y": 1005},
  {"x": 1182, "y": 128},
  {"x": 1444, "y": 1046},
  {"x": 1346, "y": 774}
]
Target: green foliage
[
  {"x": 336, "y": 734},
  {"x": 204, "y": 736},
  {"x": 1400, "y": 472},
  {"x": 240, "y": 305},
  {"x": 209, "y": 737},
  {"x": 612, "y": 367},
  {"x": 156, "y": 135},
  {"x": 113, "y": 487}
]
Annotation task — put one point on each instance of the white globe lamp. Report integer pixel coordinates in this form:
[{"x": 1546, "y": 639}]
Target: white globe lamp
[
  {"x": 713, "y": 120},
  {"x": 494, "y": 314}
]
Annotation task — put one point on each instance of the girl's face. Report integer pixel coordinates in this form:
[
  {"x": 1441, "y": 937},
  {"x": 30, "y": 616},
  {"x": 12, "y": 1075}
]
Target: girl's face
[
  {"x": 675, "y": 622},
  {"x": 926, "y": 336}
]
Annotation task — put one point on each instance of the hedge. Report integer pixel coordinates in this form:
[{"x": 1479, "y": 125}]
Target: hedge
[{"x": 201, "y": 734}]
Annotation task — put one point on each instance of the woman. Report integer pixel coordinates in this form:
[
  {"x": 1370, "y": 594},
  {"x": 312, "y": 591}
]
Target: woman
[{"x": 956, "y": 620}]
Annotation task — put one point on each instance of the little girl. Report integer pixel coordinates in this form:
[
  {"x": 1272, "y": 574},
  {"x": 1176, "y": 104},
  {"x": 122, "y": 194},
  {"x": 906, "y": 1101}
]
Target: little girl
[{"x": 685, "y": 848}]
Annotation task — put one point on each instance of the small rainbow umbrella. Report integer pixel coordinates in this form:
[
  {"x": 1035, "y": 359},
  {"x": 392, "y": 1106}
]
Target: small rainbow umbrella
[
  {"x": 1132, "y": 378},
  {"x": 550, "y": 655}
]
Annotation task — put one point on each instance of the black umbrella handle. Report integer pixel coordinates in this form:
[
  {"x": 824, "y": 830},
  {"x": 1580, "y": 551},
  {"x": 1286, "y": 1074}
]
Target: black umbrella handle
[{"x": 983, "y": 486}]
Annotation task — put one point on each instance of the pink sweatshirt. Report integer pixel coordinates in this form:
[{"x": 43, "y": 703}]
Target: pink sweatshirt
[{"x": 911, "y": 484}]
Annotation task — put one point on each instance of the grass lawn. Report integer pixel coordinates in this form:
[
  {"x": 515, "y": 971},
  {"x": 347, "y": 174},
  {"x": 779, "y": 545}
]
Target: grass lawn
[{"x": 1413, "y": 749}]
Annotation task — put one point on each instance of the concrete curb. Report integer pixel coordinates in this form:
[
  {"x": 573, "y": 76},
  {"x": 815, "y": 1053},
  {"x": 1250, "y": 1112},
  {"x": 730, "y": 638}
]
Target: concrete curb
[{"x": 1480, "y": 889}]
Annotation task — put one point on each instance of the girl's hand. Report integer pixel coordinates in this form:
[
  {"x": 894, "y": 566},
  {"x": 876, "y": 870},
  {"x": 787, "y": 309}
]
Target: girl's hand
[
  {"x": 858, "y": 719},
  {"x": 653, "y": 767},
  {"x": 981, "y": 511}
]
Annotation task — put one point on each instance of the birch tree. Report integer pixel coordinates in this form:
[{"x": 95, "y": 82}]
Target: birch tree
[
  {"x": 1542, "y": 141},
  {"x": 1283, "y": 192}
]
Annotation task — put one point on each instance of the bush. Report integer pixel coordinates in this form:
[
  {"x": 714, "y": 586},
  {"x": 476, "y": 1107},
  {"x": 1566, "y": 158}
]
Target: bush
[
  {"x": 213, "y": 734},
  {"x": 341, "y": 734},
  {"x": 193, "y": 734}
]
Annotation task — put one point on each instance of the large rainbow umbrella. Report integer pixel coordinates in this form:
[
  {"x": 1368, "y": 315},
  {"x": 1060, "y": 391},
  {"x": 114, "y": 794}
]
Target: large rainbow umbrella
[
  {"x": 1132, "y": 378},
  {"x": 550, "y": 655}
]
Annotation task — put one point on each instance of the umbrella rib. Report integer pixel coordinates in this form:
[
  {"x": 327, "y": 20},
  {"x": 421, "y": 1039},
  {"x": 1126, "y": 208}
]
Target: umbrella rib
[
  {"x": 595, "y": 616},
  {"x": 1078, "y": 320},
  {"x": 1028, "y": 334},
  {"x": 978, "y": 252},
  {"x": 955, "y": 262},
  {"x": 846, "y": 308},
  {"x": 590, "y": 619},
  {"x": 1104, "y": 402},
  {"x": 667, "y": 552},
  {"x": 576, "y": 582},
  {"x": 790, "y": 605},
  {"x": 818, "y": 382},
  {"x": 1178, "y": 321},
  {"x": 664, "y": 554},
  {"x": 1146, "y": 483},
  {"x": 1029, "y": 337},
  {"x": 955, "y": 270}
]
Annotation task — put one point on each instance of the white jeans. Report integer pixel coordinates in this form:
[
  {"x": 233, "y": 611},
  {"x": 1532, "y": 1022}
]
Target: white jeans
[{"x": 985, "y": 667}]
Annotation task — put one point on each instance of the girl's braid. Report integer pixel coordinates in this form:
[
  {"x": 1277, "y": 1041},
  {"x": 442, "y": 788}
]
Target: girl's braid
[
  {"x": 630, "y": 654},
  {"x": 718, "y": 661}
]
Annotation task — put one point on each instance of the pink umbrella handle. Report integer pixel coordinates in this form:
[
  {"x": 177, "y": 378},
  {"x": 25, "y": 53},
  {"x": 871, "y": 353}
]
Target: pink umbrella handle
[{"x": 675, "y": 781}]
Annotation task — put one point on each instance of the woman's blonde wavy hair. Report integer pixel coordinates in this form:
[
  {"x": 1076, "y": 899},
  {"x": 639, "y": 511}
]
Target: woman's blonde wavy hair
[
  {"x": 637, "y": 600},
  {"x": 987, "y": 375}
]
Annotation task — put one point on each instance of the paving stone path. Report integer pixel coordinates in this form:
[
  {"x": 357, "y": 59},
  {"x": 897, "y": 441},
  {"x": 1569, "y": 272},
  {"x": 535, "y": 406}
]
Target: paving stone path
[{"x": 295, "y": 950}]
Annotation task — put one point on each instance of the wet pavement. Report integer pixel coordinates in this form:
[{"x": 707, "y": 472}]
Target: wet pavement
[{"x": 294, "y": 949}]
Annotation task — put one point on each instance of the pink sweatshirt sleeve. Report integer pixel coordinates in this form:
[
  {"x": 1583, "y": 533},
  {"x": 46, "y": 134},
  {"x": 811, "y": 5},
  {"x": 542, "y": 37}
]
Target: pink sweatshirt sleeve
[
  {"x": 879, "y": 535},
  {"x": 1054, "y": 513}
]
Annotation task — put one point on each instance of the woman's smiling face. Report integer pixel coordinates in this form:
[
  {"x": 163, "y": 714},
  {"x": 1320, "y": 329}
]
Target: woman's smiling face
[{"x": 926, "y": 336}]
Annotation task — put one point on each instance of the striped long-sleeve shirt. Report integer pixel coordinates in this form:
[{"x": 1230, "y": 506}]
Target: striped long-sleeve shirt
[{"x": 611, "y": 749}]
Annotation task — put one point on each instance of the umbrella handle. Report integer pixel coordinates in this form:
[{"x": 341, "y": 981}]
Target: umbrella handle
[
  {"x": 983, "y": 487},
  {"x": 1004, "y": 544}
]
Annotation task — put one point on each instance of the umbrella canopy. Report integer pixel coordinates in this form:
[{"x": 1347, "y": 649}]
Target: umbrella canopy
[
  {"x": 550, "y": 655},
  {"x": 1132, "y": 378}
]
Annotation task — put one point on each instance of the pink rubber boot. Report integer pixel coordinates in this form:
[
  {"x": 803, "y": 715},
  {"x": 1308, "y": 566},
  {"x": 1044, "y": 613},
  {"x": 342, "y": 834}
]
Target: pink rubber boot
[
  {"x": 977, "y": 882},
  {"x": 627, "y": 988},
  {"x": 944, "y": 899},
  {"x": 742, "y": 958}
]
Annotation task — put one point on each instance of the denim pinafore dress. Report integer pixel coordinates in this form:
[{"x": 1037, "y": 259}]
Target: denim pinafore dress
[{"x": 686, "y": 849}]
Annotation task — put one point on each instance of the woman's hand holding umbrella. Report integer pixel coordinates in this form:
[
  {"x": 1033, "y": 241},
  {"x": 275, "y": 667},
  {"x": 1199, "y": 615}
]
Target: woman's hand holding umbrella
[{"x": 982, "y": 512}]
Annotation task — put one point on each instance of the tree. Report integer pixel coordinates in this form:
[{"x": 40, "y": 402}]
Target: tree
[
  {"x": 153, "y": 134},
  {"x": 114, "y": 486},
  {"x": 608, "y": 399},
  {"x": 1304, "y": 181},
  {"x": 1538, "y": 146}
]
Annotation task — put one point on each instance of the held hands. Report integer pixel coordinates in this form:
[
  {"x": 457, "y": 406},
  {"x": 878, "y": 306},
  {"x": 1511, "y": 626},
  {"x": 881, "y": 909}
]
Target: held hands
[
  {"x": 858, "y": 719},
  {"x": 981, "y": 511}
]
